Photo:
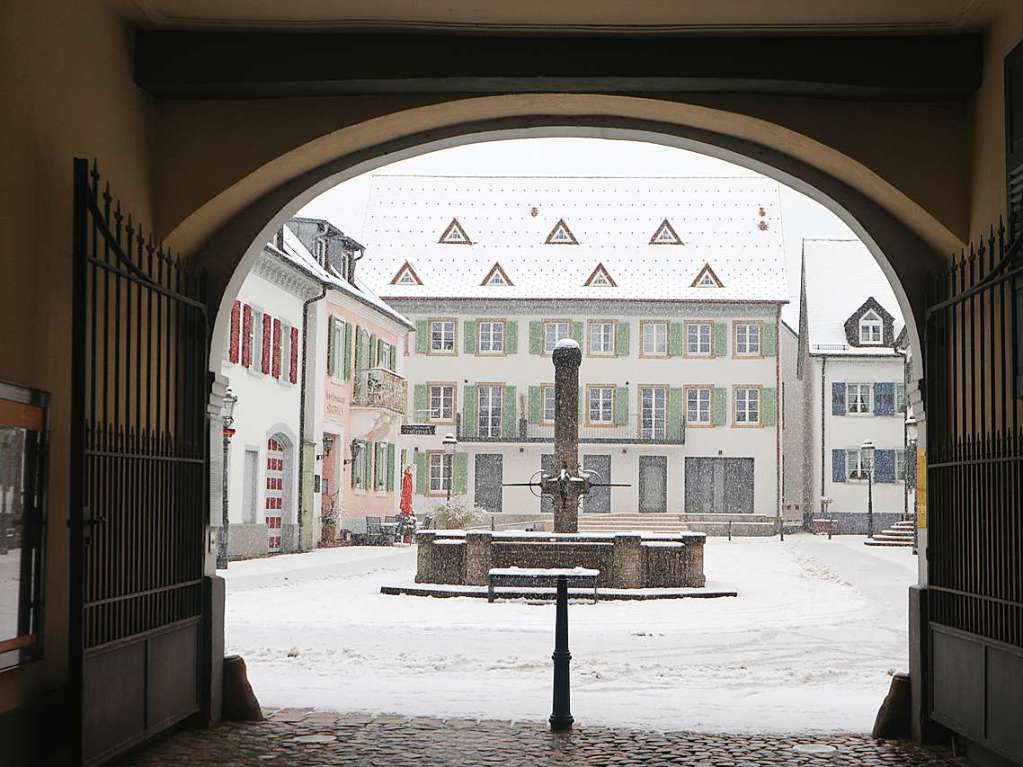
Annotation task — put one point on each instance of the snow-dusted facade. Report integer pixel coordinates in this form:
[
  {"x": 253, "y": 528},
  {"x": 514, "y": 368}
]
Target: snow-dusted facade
[
  {"x": 851, "y": 372},
  {"x": 673, "y": 288}
]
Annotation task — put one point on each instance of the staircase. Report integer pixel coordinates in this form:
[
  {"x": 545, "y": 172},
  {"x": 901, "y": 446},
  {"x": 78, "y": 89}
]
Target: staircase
[
  {"x": 710, "y": 524},
  {"x": 899, "y": 534}
]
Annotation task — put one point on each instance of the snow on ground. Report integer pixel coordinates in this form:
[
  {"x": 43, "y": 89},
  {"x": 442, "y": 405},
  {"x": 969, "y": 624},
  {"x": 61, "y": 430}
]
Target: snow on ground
[{"x": 808, "y": 645}]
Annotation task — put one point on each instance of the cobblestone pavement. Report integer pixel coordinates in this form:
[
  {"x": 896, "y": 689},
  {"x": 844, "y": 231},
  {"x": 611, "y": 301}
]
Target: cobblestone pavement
[{"x": 310, "y": 738}]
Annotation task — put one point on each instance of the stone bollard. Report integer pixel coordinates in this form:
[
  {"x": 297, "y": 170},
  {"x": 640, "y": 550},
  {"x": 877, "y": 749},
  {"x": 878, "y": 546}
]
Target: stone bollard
[
  {"x": 695, "y": 577},
  {"x": 627, "y": 562},
  {"x": 424, "y": 556},
  {"x": 240, "y": 704},
  {"x": 478, "y": 558}
]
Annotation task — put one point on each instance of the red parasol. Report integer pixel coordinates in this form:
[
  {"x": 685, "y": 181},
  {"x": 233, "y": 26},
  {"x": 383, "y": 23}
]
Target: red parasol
[{"x": 406, "y": 492}]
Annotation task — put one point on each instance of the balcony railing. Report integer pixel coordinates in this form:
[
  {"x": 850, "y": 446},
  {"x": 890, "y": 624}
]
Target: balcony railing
[
  {"x": 380, "y": 387},
  {"x": 630, "y": 433}
]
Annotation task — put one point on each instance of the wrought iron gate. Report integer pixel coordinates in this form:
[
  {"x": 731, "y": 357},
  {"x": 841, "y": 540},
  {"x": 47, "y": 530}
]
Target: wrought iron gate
[
  {"x": 974, "y": 482},
  {"x": 140, "y": 476}
]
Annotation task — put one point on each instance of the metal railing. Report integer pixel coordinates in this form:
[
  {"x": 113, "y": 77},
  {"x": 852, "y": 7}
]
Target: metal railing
[
  {"x": 380, "y": 387},
  {"x": 630, "y": 433}
]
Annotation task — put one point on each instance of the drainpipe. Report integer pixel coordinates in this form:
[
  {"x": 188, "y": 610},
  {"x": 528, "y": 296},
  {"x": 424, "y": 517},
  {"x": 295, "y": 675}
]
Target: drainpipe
[{"x": 301, "y": 408}]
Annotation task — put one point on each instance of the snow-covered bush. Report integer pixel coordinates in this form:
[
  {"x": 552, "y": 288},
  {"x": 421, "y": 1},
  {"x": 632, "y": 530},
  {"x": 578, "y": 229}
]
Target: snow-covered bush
[{"x": 455, "y": 515}]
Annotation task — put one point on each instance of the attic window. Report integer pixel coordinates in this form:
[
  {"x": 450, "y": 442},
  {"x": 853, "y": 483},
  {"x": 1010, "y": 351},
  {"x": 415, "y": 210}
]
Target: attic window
[
  {"x": 321, "y": 251},
  {"x": 455, "y": 235},
  {"x": 496, "y": 276},
  {"x": 600, "y": 279},
  {"x": 665, "y": 235},
  {"x": 706, "y": 278},
  {"x": 871, "y": 329},
  {"x": 561, "y": 234},
  {"x": 406, "y": 276}
]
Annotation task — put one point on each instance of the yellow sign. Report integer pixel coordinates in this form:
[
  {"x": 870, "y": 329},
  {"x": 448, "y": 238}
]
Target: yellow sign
[{"x": 921, "y": 489}]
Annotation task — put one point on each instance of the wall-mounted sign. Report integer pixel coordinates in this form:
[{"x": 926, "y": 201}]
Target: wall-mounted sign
[{"x": 418, "y": 428}]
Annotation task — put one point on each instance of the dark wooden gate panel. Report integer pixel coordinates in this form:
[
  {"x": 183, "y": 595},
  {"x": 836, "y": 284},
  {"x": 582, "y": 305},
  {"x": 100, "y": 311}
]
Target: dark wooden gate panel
[
  {"x": 974, "y": 485},
  {"x": 489, "y": 481},
  {"x": 141, "y": 465}
]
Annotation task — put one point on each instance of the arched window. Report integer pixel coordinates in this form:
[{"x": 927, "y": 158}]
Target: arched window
[{"x": 871, "y": 329}]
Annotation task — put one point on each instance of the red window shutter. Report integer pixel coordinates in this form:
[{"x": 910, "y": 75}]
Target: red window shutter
[
  {"x": 265, "y": 360},
  {"x": 247, "y": 336},
  {"x": 232, "y": 341},
  {"x": 277, "y": 349},
  {"x": 294, "y": 356}
]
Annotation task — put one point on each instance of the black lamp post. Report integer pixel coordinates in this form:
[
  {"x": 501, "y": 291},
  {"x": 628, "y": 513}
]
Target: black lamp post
[
  {"x": 450, "y": 443},
  {"x": 229, "y": 402},
  {"x": 867, "y": 459}
]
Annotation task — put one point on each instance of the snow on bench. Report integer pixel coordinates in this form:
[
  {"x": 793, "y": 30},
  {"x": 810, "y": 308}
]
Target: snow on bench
[{"x": 529, "y": 576}]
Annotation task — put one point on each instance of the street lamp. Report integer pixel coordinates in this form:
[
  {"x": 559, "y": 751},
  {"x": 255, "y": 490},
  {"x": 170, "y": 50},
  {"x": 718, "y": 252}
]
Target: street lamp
[
  {"x": 867, "y": 460},
  {"x": 228, "y": 412},
  {"x": 450, "y": 443}
]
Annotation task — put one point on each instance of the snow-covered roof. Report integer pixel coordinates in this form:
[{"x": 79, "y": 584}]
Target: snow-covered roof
[
  {"x": 297, "y": 253},
  {"x": 549, "y": 235},
  {"x": 839, "y": 277}
]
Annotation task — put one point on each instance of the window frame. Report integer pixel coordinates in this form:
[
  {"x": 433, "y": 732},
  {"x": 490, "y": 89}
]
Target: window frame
[
  {"x": 871, "y": 319},
  {"x": 600, "y": 387},
  {"x": 480, "y": 351},
  {"x": 654, "y": 433},
  {"x": 454, "y": 337},
  {"x": 361, "y": 468},
  {"x": 686, "y": 390},
  {"x": 429, "y": 401},
  {"x": 643, "y": 325},
  {"x": 759, "y": 352},
  {"x": 861, "y": 474},
  {"x": 544, "y": 388},
  {"x": 849, "y": 399},
  {"x": 380, "y": 477},
  {"x": 545, "y": 323},
  {"x": 499, "y": 387},
  {"x": 447, "y": 475},
  {"x": 590, "y": 325},
  {"x": 710, "y": 339},
  {"x": 736, "y": 399}
]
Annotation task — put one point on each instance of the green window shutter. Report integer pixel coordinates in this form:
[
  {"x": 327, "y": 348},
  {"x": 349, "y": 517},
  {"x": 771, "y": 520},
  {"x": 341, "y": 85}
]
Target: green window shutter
[
  {"x": 346, "y": 363},
  {"x": 720, "y": 339},
  {"x": 622, "y": 339},
  {"x": 470, "y": 410},
  {"x": 460, "y": 474},
  {"x": 511, "y": 337},
  {"x": 719, "y": 401},
  {"x": 371, "y": 351},
  {"x": 676, "y": 336},
  {"x": 509, "y": 418},
  {"x": 359, "y": 359},
  {"x": 675, "y": 413},
  {"x": 331, "y": 347},
  {"x": 420, "y": 403},
  {"x": 392, "y": 357},
  {"x": 422, "y": 337},
  {"x": 358, "y": 463},
  {"x": 621, "y": 406},
  {"x": 769, "y": 339},
  {"x": 536, "y": 337},
  {"x": 390, "y": 467},
  {"x": 535, "y": 404},
  {"x": 422, "y": 473},
  {"x": 768, "y": 406},
  {"x": 577, "y": 333},
  {"x": 472, "y": 335}
]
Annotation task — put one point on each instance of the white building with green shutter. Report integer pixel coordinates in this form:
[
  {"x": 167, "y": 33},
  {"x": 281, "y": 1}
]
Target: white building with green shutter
[
  {"x": 851, "y": 387},
  {"x": 672, "y": 287}
]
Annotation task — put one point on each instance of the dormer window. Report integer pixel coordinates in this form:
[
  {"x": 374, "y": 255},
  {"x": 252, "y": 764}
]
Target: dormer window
[
  {"x": 321, "y": 251},
  {"x": 871, "y": 329}
]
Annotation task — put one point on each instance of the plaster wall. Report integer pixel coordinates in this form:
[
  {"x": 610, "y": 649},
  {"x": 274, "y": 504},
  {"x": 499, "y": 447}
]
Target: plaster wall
[{"x": 791, "y": 420}]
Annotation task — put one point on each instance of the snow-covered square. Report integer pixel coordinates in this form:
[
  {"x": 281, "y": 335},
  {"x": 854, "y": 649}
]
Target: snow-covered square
[{"x": 808, "y": 645}]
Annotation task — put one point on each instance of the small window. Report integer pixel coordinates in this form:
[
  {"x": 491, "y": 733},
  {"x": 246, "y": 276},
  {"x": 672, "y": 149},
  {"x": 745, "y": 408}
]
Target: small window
[
  {"x": 600, "y": 278},
  {"x": 406, "y": 276},
  {"x": 455, "y": 234},
  {"x": 747, "y": 339},
  {"x": 442, "y": 402},
  {"x": 855, "y": 465},
  {"x": 491, "y": 337},
  {"x": 653, "y": 402},
  {"x": 440, "y": 472},
  {"x": 442, "y": 337},
  {"x": 698, "y": 405},
  {"x": 706, "y": 278},
  {"x": 900, "y": 465},
  {"x": 655, "y": 339},
  {"x": 490, "y": 410},
  {"x": 496, "y": 276},
  {"x": 600, "y": 404},
  {"x": 548, "y": 403},
  {"x": 747, "y": 405},
  {"x": 871, "y": 329},
  {"x": 360, "y": 464},
  {"x": 602, "y": 338},
  {"x": 380, "y": 467},
  {"x": 561, "y": 235},
  {"x": 859, "y": 398},
  {"x": 554, "y": 331},
  {"x": 698, "y": 339},
  {"x": 321, "y": 251}
]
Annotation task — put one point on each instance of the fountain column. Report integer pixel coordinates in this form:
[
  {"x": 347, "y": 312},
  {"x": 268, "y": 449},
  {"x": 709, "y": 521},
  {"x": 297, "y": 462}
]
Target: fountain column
[{"x": 566, "y": 483}]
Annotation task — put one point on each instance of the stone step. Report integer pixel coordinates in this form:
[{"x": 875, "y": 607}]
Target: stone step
[
  {"x": 739, "y": 529},
  {"x": 889, "y": 544}
]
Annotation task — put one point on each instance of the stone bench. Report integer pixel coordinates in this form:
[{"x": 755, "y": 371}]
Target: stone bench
[{"x": 534, "y": 576}]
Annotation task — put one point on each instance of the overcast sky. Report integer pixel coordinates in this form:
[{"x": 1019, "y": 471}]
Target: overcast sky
[{"x": 345, "y": 205}]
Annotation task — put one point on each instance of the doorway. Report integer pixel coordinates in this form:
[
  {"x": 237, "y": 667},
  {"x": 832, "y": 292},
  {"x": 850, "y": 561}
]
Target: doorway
[
  {"x": 489, "y": 480},
  {"x": 719, "y": 486},
  {"x": 653, "y": 484},
  {"x": 598, "y": 500}
]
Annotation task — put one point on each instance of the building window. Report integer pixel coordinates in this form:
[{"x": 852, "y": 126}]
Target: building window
[
  {"x": 442, "y": 402},
  {"x": 871, "y": 329},
  {"x": 900, "y": 465},
  {"x": 747, "y": 339},
  {"x": 360, "y": 465},
  {"x": 855, "y": 466},
  {"x": 380, "y": 467},
  {"x": 442, "y": 337},
  {"x": 491, "y": 337},
  {"x": 653, "y": 411},
  {"x": 859, "y": 398},
  {"x": 698, "y": 339},
  {"x": 698, "y": 405},
  {"x": 321, "y": 251},
  {"x": 655, "y": 339},
  {"x": 440, "y": 472},
  {"x": 600, "y": 404},
  {"x": 747, "y": 405},
  {"x": 490, "y": 397},
  {"x": 548, "y": 403},
  {"x": 900, "y": 397},
  {"x": 554, "y": 331},
  {"x": 602, "y": 338}
]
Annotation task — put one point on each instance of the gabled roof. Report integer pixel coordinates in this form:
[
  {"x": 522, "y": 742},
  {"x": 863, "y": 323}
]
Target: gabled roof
[{"x": 611, "y": 219}]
